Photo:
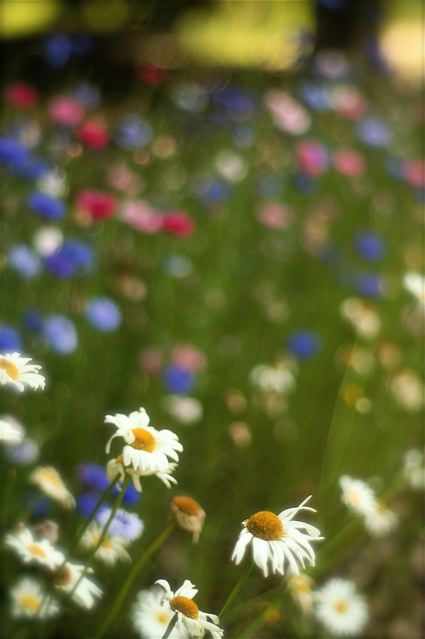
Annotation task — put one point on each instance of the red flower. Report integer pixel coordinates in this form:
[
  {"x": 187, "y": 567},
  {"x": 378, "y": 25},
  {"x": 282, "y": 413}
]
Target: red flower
[
  {"x": 177, "y": 223},
  {"x": 97, "y": 204},
  {"x": 155, "y": 76},
  {"x": 94, "y": 133},
  {"x": 21, "y": 95}
]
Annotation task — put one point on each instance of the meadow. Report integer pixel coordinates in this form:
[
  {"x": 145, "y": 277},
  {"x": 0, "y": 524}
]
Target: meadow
[{"x": 239, "y": 253}]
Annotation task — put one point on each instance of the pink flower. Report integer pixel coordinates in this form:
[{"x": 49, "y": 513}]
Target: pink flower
[
  {"x": 121, "y": 178},
  {"x": 349, "y": 102},
  {"x": 177, "y": 223},
  {"x": 274, "y": 215},
  {"x": 189, "y": 357},
  {"x": 288, "y": 114},
  {"x": 312, "y": 157},
  {"x": 21, "y": 95},
  {"x": 150, "y": 360},
  {"x": 349, "y": 163},
  {"x": 414, "y": 172},
  {"x": 97, "y": 204},
  {"x": 142, "y": 217},
  {"x": 65, "y": 111},
  {"x": 155, "y": 76},
  {"x": 94, "y": 133}
]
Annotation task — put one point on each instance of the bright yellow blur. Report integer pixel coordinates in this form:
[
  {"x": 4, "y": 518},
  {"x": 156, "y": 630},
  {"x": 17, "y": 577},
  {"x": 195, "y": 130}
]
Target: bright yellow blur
[{"x": 23, "y": 17}]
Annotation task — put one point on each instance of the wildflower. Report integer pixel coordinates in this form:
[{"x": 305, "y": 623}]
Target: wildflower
[
  {"x": 24, "y": 453},
  {"x": 70, "y": 257},
  {"x": 11, "y": 431},
  {"x": 362, "y": 316},
  {"x": 29, "y": 600},
  {"x": 94, "y": 134},
  {"x": 300, "y": 587},
  {"x": 357, "y": 495},
  {"x": 127, "y": 526},
  {"x": 133, "y": 132},
  {"x": 190, "y": 620},
  {"x": 340, "y": 609},
  {"x": 24, "y": 261},
  {"x": 414, "y": 468},
  {"x": 65, "y": 111},
  {"x": 189, "y": 515},
  {"x": 103, "y": 314},
  {"x": 177, "y": 223},
  {"x": 31, "y": 550},
  {"x": 50, "y": 483},
  {"x": 117, "y": 467},
  {"x": 10, "y": 339},
  {"x": 381, "y": 519},
  {"x": 93, "y": 476},
  {"x": 86, "y": 593},
  {"x": 53, "y": 183},
  {"x": 146, "y": 449},
  {"x": 369, "y": 246},
  {"x": 279, "y": 378},
  {"x": 18, "y": 371},
  {"x": 150, "y": 618},
  {"x": 349, "y": 163},
  {"x": 186, "y": 410},
  {"x": 303, "y": 344},
  {"x": 96, "y": 204},
  {"x": 59, "y": 332},
  {"x": 178, "y": 379},
  {"x": 21, "y": 95},
  {"x": 47, "y": 240},
  {"x": 407, "y": 389},
  {"x": 110, "y": 550},
  {"x": 415, "y": 284},
  {"x": 46, "y": 206},
  {"x": 374, "y": 132},
  {"x": 278, "y": 540}
]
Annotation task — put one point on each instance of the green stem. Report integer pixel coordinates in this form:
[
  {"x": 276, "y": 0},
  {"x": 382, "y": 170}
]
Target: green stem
[
  {"x": 92, "y": 555},
  {"x": 236, "y": 590},
  {"x": 137, "y": 566},
  {"x": 170, "y": 627},
  {"x": 94, "y": 512}
]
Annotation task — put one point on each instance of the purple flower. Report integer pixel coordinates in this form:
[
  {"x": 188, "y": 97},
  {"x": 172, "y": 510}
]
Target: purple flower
[
  {"x": 369, "y": 246},
  {"x": 103, "y": 314},
  {"x": 303, "y": 344},
  {"x": 93, "y": 476},
  {"x": 178, "y": 379},
  {"x": 24, "y": 261},
  {"x": 369, "y": 285},
  {"x": 124, "y": 524},
  {"x": 86, "y": 503},
  {"x": 46, "y": 206},
  {"x": 374, "y": 132},
  {"x": 69, "y": 259},
  {"x": 133, "y": 132},
  {"x": 59, "y": 332},
  {"x": 10, "y": 340}
]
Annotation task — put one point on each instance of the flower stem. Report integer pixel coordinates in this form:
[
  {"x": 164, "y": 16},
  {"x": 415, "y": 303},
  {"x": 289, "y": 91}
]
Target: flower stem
[
  {"x": 94, "y": 512},
  {"x": 137, "y": 566},
  {"x": 234, "y": 593},
  {"x": 170, "y": 627}
]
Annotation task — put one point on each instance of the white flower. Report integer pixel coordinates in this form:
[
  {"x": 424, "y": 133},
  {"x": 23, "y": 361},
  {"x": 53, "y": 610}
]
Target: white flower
[
  {"x": 146, "y": 448},
  {"x": 11, "y": 431},
  {"x": 415, "y": 284},
  {"x": 47, "y": 240},
  {"x": 53, "y": 183},
  {"x": 50, "y": 483},
  {"x": 362, "y": 316},
  {"x": 340, "y": 609},
  {"x": 278, "y": 540},
  {"x": 186, "y": 410},
  {"x": 381, "y": 519},
  {"x": 85, "y": 593},
  {"x": 116, "y": 467},
  {"x": 150, "y": 618},
  {"x": 414, "y": 468},
  {"x": 357, "y": 495},
  {"x": 17, "y": 370},
  {"x": 112, "y": 548},
  {"x": 279, "y": 378},
  {"x": 29, "y": 600},
  {"x": 231, "y": 166},
  {"x": 31, "y": 550},
  {"x": 190, "y": 620},
  {"x": 408, "y": 390},
  {"x": 301, "y": 589}
]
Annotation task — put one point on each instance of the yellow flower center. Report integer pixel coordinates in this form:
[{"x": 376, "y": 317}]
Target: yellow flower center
[
  {"x": 106, "y": 543},
  {"x": 50, "y": 476},
  {"x": 186, "y": 606},
  {"x": 30, "y": 602},
  {"x": 143, "y": 440},
  {"x": 9, "y": 368},
  {"x": 354, "y": 498},
  {"x": 37, "y": 550},
  {"x": 187, "y": 505},
  {"x": 341, "y": 606},
  {"x": 162, "y": 617},
  {"x": 265, "y": 525}
]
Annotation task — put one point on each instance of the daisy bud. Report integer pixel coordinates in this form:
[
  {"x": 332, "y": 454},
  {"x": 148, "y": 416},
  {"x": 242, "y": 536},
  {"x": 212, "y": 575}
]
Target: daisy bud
[{"x": 189, "y": 515}]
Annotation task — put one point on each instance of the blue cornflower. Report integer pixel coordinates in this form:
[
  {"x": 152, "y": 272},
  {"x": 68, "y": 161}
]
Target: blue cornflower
[
  {"x": 213, "y": 191},
  {"x": 30, "y": 168},
  {"x": 133, "y": 132},
  {"x": 103, "y": 314},
  {"x": 59, "y": 332},
  {"x": 86, "y": 503},
  {"x": 178, "y": 379},
  {"x": 24, "y": 261},
  {"x": 12, "y": 151},
  {"x": 303, "y": 344},
  {"x": 315, "y": 96},
  {"x": 374, "y": 132},
  {"x": 70, "y": 258},
  {"x": 58, "y": 50},
  {"x": 131, "y": 496},
  {"x": 235, "y": 101},
  {"x": 369, "y": 285},
  {"x": 124, "y": 524},
  {"x": 47, "y": 206},
  {"x": 10, "y": 340},
  {"x": 369, "y": 246},
  {"x": 33, "y": 321},
  {"x": 93, "y": 476}
]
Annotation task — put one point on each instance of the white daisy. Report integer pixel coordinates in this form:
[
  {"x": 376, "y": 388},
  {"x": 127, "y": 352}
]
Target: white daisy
[
  {"x": 86, "y": 593},
  {"x": 29, "y": 600},
  {"x": 112, "y": 548},
  {"x": 150, "y": 618},
  {"x": 362, "y": 317},
  {"x": 357, "y": 495},
  {"x": 50, "y": 483},
  {"x": 146, "y": 448},
  {"x": 116, "y": 467},
  {"x": 190, "y": 620},
  {"x": 340, "y": 609},
  {"x": 11, "y": 431},
  {"x": 278, "y": 540},
  {"x": 414, "y": 468},
  {"x": 189, "y": 515},
  {"x": 301, "y": 590},
  {"x": 381, "y": 519},
  {"x": 17, "y": 370},
  {"x": 415, "y": 283},
  {"x": 31, "y": 550}
]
